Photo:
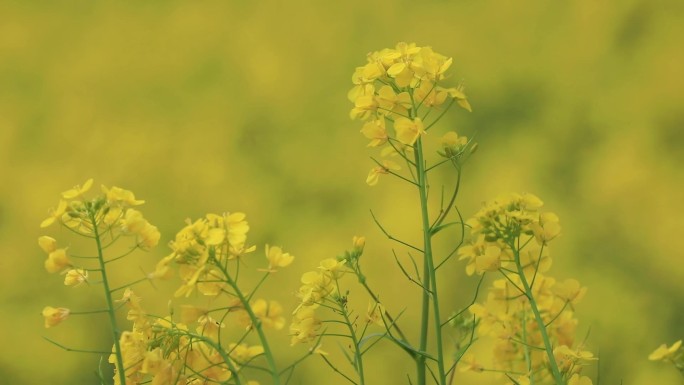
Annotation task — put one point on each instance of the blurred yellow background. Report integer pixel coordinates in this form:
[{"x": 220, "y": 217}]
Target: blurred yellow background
[{"x": 213, "y": 106}]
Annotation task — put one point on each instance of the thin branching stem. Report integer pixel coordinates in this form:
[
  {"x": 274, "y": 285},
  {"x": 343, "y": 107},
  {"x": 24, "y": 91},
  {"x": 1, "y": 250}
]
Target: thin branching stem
[
  {"x": 537, "y": 315},
  {"x": 390, "y": 237},
  {"x": 256, "y": 322},
  {"x": 110, "y": 303}
]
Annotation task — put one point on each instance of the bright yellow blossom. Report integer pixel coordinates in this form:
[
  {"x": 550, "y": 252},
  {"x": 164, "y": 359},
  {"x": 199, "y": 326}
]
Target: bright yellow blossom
[
  {"x": 269, "y": 313},
  {"x": 429, "y": 95},
  {"x": 460, "y": 97},
  {"x": 276, "y": 258},
  {"x": 335, "y": 268},
  {"x": 77, "y": 191},
  {"x": 389, "y": 102},
  {"x": 148, "y": 237},
  {"x": 117, "y": 195},
  {"x": 376, "y": 132},
  {"x": 567, "y": 358},
  {"x": 408, "y": 131},
  {"x": 429, "y": 65},
  {"x": 133, "y": 221},
  {"x": 453, "y": 144},
  {"x": 364, "y": 106},
  {"x": 55, "y": 214}
]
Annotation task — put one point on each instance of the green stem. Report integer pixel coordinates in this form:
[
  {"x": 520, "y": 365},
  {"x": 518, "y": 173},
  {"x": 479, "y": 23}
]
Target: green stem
[
  {"x": 110, "y": 303},
  {"x": 540, "y": 322},
  {"x": 256, "y": 323},
  {"x": 429, "y": 278},
  {"x": 526, "y": 348},
  {"x": 362, "y": 280},
  {"x": 358, "y": 361}
]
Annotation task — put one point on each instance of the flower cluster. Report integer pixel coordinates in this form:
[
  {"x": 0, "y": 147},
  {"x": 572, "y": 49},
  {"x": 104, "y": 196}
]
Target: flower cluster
[
  {"x": 394, "y": 80},
  {"x": 161, "y": 351},
  {"x": 201, "y": 248},
  {"x": 317, "y": 286},
  {"x": 107, "y": 218},
  {"x": 320, "y": 287},
  {"x": 502, "y": 222},
  {"x": 522, "y": 310},
  {"x": 400, "y": 86},
  {"x": 112, "y": 212},
  {"x": 208, "y": 253}
]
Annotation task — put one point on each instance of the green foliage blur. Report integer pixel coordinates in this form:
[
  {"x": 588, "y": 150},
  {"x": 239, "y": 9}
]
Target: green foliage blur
[{"x": 213, "y": 106}]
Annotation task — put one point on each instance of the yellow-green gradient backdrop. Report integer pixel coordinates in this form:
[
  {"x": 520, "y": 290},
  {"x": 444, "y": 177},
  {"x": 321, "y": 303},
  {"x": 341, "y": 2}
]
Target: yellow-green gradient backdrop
[{"x": 213, "y": 106}]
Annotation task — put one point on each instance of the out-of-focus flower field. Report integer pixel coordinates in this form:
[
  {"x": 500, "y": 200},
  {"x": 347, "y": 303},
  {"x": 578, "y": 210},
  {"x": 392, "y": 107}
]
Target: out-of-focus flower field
[{"x": 220, "y": 106}]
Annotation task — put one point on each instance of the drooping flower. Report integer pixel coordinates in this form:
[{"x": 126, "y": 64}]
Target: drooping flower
[
  {"x": 75, "y": 277},
  {"x": 54, "y": 316},
  {"x": 385, "y": 168},
  {"x": 57, "y": 261}
]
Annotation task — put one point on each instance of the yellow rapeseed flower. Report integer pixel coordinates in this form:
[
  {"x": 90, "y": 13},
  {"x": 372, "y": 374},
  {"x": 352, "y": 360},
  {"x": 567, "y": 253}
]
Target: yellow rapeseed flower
[
  {"x": 117, "y": 195},
  {"x": 576, "y": 379},
  {"x": 77, "y": 190},
  {"x": 75, "y": 277},
  {"x": 304, "y": 326},
  {"x": 48, "y": 244},
  {"x": 276, "y": 258},
  {"x": 54, "y": 316},
  {"x": 376, "y": 132},
  {"x": 408, "y": 130},
  {"x": 664, "y": 352},
  {"x": 55, "y": 214},
  {"x": 375, "y": 172},
  {"x": 57, "y": 261},
  {"x": 269, "y": 313},
  {"x": 243, "y": 353}
]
